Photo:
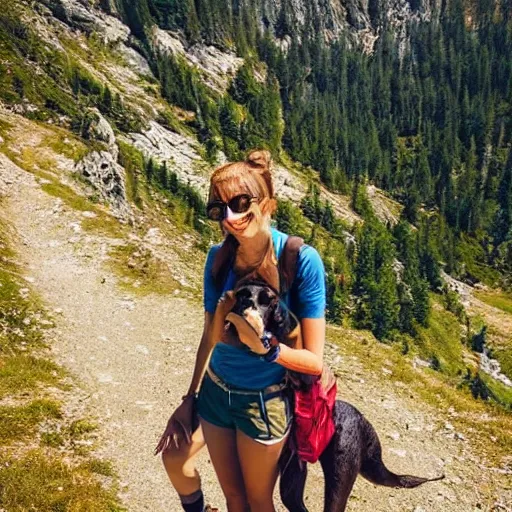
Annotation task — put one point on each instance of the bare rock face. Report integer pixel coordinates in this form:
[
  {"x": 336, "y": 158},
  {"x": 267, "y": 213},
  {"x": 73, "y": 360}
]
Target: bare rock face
[
  {"x": 101, "y": 170},
  {"x": 217, "y": 68},
  {"x": 176, "y": 150},
  {"x": 286, "y": 186},
  {"x": 134, "y": 59},
  {"x": 493, "y": 368},
  {"x": 359, "y": 20},
  {"x": 83, "y": 17}
]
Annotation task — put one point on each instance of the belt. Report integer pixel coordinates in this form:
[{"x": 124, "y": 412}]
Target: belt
[{"x": 274, "y": 388}]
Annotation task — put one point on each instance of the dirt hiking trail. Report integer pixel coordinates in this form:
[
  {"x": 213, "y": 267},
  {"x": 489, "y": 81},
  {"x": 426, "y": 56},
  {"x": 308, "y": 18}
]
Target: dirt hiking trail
[{"x": 134, "y": 356}]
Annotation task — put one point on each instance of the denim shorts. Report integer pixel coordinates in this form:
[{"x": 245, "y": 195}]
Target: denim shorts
[{"x": 263, "y": 416}]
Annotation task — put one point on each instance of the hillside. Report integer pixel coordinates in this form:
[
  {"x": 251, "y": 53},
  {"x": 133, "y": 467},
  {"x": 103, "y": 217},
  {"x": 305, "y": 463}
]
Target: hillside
[
  {"x": 107, "y": 323},
  {"x": 111, "y": 120}
]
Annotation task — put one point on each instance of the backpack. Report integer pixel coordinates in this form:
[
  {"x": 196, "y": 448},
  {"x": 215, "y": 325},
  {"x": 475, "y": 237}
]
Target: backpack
[{"x": 313, "y": 397}]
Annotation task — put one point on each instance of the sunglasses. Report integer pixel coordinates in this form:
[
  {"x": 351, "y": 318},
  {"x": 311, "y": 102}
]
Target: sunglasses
[{"x": 217, "y": 210}]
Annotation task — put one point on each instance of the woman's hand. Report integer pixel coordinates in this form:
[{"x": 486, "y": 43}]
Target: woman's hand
[
  {"x": 179, "y": 426},
  {"x": 224, "y": 306},
  {"x": 247, "y": 334}
]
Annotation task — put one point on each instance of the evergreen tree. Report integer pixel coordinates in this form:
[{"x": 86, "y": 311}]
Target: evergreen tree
[
  {"x": 163, "y": 176},
  {"x": 503, "y": 229},
  {"x": 150, "y": 170}
]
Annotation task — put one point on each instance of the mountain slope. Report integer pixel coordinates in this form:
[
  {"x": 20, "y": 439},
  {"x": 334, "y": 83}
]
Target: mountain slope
[
  {"x": 103, "y": 333},
  {"x": 110, "y": 203}
]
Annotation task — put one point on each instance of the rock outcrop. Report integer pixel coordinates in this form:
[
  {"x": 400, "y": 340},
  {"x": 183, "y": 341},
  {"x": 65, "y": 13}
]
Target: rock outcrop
[
  {"x": 360, "y": 21},
  {"x": 178, "y": 151},
  {"x": 89, "y": 20},
  {"x": 101, "y": 130},
  {"x": 134, "y": 59},
  {"x": 101, "y": 170},
  {"x": 217, "y": 68}
]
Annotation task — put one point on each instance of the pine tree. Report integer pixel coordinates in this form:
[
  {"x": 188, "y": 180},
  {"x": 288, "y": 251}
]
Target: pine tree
[
  {"x": 192, "y": 26},
  {"x": 503, "y": 224},
  {"x": 150, "y": 170},
  {"x": 107, "y": 102},
  {"x": 162, "y": 175}
]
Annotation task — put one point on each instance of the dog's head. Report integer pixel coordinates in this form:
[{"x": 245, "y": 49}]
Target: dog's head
[{"x": 261, "y": 306}]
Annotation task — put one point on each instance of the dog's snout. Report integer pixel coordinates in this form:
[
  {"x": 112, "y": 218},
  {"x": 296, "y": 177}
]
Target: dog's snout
[{"x": 248, "y": 304}]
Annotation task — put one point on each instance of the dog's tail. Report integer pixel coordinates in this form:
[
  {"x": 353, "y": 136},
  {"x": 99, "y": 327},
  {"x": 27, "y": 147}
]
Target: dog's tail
[{"x": 374, "y": 469}]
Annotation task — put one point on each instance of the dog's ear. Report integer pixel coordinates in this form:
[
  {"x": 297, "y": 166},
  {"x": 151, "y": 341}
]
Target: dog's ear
[{"x": 280, "y": 322}]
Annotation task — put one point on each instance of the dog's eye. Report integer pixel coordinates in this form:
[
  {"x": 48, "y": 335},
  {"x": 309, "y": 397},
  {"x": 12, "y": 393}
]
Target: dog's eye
[
  {"x": 264, "y": 298},
  {"x": 244, "y": 293}
]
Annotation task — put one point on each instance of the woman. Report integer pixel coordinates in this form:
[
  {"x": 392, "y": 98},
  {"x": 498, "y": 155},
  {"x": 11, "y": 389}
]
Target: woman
[{"x": 244, "y": 432}]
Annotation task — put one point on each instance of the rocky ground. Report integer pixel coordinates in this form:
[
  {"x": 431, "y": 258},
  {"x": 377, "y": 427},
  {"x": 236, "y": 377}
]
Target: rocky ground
[{"x": 134, "y": 356}]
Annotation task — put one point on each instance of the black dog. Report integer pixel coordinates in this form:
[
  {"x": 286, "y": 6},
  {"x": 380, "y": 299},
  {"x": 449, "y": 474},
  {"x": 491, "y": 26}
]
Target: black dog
[{"x": 355, "y": 447}]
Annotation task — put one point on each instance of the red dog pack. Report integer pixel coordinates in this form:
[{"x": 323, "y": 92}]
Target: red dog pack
[{"x": 313, "y": 421}]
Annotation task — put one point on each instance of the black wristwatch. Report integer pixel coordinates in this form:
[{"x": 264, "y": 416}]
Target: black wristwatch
[{"x": 273, "y": 353}]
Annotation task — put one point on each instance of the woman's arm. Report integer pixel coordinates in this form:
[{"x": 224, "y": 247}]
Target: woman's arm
[
  {"x": 212, "y": 334},
  {"x": 304, "y": 360},
  {"x": 203, "y": 354},
  {"x": 310, "y": 358}
]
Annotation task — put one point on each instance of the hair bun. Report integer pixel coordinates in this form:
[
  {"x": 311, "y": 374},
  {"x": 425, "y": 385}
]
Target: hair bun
[{"x": 260, "y": 158}]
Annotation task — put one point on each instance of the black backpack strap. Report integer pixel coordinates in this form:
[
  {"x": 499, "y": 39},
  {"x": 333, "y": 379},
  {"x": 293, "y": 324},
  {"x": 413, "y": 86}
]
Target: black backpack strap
[{"x": 287, "y": 264}]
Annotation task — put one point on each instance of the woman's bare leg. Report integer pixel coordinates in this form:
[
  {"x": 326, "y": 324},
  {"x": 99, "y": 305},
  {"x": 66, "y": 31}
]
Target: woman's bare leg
[
  {"x": 180, "y": 464},
  {"x": 260, "y": 470},
  {"x": 222, "y": 445}
]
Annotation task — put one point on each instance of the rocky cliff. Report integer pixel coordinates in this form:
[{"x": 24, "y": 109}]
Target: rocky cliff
[{"x": 361, "y": 21}]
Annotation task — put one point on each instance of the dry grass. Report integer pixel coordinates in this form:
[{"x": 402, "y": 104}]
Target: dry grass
[
  {"x": 59, "y": 475},
  {"x": 480, "y": 421},
  {"x": 140, "y": 272}
]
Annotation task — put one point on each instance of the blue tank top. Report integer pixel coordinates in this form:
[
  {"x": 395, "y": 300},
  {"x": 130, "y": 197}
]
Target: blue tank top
[{"x": 240, "y": 367}]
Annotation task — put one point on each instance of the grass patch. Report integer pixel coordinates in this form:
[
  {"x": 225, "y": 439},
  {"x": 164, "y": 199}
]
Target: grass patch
[
  {"x": 140, "y": 272},
  {"x": 5, "y": 127},
  {"x": 68, "y": 195},
  {"x": 100, "y": 467},
  {"x": 499, "y": 300},
  {"x": 64, "y": 144},
  {"x": 441, "y": 342},
  {"x": 53, "y": 439},
  {"x": 15, "y": 311},
  {"x": 472, "y": 254},
  {"x": 133, "y": 162},
  {"x": 504, "y": 356},
  {"x": 22, "y": 372},
  {"x": 70, "y": 436},
  {"x": 19, "y": 422},
  {"x": 80, "y": 428},
  {"x": 60, "y": 476},
  {"x": 501, "y": 393},
  {"x": 19, "y": 309},
  {"x": 48, "y": 484},
  {"x": 479, "y": 420}
]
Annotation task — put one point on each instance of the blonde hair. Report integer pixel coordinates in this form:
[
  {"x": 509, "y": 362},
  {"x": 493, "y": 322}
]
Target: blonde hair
[{"x": 251, "y": 176}]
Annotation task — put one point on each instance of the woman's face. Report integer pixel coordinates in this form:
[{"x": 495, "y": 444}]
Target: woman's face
[{"x": 245, "y": 225}]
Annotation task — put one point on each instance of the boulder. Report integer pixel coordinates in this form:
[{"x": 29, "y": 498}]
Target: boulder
[
  {"x": 88, "y": 20},
  {"x": 134, "y": 59},
  {"x": 101, "y": 130}
]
